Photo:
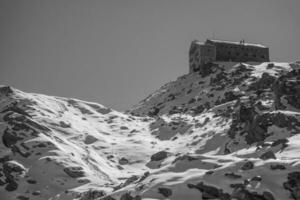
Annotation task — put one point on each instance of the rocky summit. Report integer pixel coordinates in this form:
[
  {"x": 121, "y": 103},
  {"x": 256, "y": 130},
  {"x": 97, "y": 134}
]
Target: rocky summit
[{"x": 224, "y": 131}]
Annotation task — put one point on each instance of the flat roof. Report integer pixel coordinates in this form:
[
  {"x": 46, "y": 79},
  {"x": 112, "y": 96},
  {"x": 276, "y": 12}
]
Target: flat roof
[
  {"x": 237, "y": 43},
  {"x": 202, "y": 43}
]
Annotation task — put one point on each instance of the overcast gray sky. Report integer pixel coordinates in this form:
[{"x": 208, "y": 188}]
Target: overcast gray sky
[{"x": 116, "y": 52}]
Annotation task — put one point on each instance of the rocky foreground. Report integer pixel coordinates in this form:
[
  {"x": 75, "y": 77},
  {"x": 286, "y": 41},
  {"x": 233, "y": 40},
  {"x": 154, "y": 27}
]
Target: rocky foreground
[{"x": 226, "y": 131}]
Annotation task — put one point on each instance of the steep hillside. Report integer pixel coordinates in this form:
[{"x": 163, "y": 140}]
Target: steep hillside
[{"x": 227, "y": 131}]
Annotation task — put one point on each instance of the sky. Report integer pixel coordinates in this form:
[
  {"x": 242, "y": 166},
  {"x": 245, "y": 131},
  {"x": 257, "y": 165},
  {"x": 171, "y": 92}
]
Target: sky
[{"x": 117, "y": 52}]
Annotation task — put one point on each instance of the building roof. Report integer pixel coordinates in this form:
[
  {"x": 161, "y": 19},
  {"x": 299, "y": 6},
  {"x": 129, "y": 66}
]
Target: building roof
[
  {"x": 236, "y": 43},
  {"x": 202, "y": 43}
]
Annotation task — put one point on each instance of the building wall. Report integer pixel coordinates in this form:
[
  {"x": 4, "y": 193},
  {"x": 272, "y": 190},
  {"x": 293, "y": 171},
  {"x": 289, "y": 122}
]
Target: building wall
[
  {"x": 207, "y": 53},
  {"x": 240, "y": 53},
  {"x": 200, "y": 54}
]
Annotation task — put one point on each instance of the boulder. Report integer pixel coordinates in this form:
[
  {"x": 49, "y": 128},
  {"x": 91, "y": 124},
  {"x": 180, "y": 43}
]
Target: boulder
[
  {"x": 74, "y": 172},
  {"x": 277, "y": 166},
  {"x": 123, "y": 161},
  {"x": 161, "y": 155},
  {"x": 247, "y": 165},
  {"x": 166, "y": 192},
  {"x": 268, "y": 155},
  {"x": 293, "y": 184}
]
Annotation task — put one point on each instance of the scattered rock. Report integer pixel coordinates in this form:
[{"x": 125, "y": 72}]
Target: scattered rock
[
  {"x": 6, "y": 90},
  {"x": 161, "y": 155},
  {"x": 124, "y": 128},
  {"x": 21, "y": 197},
  {"x": 268, "y": 195},
  {"x": 233, "y": 175},
  {"x": 209, "y": 172},
  {"x": 64, "y": 124},
  {"x": 277, "y": 166},
  {"x": 74, "y": 172},
  {"x": 256, "y": 178},
  {"x": 210, "y": 192},
  {"x": 293, "y": 184},
  {"x": 36, "y": 193},
  {"x": 268, "y": 155},
  {"x": 153, "y": 112},
  {"x": 145, "y": 175},
  {"x": 247, "y": 165},
  {"x": 89, "y": 139},
  {"x": 91, "y": 194},
  {"x": 11, "y": 186},
  {"x": 10, "y": 138},
  {"x": 123, "y": 161},
  {"x": 31, "y": 181},
  {"x": 166, "y": 192},
  {"x": 282, "y": 142},
  {"x": 127, "y": 196}
]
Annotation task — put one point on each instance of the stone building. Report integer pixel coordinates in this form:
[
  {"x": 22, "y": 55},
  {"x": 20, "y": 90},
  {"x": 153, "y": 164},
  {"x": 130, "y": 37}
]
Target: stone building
[{"x": 227, "y": 51}]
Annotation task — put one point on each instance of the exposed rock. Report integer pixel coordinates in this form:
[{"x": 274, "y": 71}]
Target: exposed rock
[
  {"x": 145, "y": 175},
  {"x": 207, "y": 68},
  {"x": 232, "y": 175},
  {"x": 277, "y": 166},
  {"x": 247, "y": 165},
  {"x": 153, "y": 112},
  {"x": 74, "y": 172},
  {"x": 21, "y": 197},
  {"x": 256, "y": 178},
  {"x": 6, "y": 90},
  {"x": 89, "y": 139},
  {"x": 161, "y": 155},
  {"x": 127, "y": 196},
  {"x": 64, "y": 124},
  {"x": 268, "y": 195},
  {"x": 13, "y": 166},
  {"x": 282, "y": 142},
  {"x": 243, "y": 194},
  {"x": 123, "y": 161},
  {"x": 31, "y": 181},
  {"x": 36, "y": 193},
  {"x": 268, "y": 155},
  {"x": 91, "y": 194},
  {"x": 11, "y": 186},
  {"x": 12, "y": 169},
  {"x": 127, "y": 182},
  {"x": 166, "y": 192},
  {"x": 10, "y": 138},
  {"x": 293, "y": 184},
  {"x": 124, "y": 128},
  {"x": 265, "y": 82},
  {"x": 287, "y": 86},
  {"x": 209, "y": 192}
]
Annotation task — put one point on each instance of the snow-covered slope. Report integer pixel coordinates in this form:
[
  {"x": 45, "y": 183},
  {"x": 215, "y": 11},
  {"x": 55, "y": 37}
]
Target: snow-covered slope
[{"x": 228, "y": 131}]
